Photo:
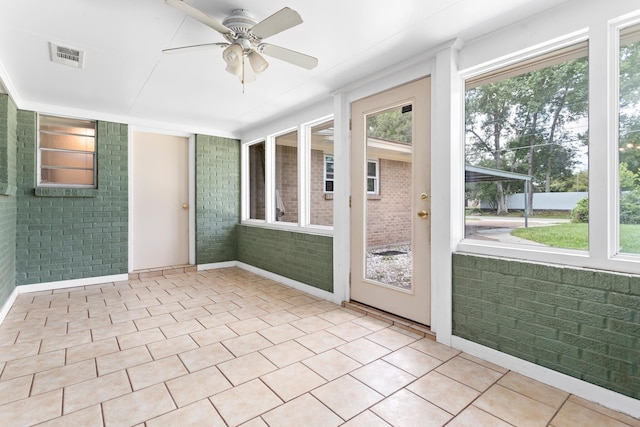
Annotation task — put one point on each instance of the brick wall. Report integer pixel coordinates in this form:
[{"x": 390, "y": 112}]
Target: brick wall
[
  {"x": 8, "y": 124},
  {"x": 307, "y": 258},
  {"x": 72, "y": 233},
  {"x": 321, "y": 203},
  {"x": 217, "y": 198},
  {"x": 287, "y": 181},
  {"x": 256, "y": 181},
  {"x": 580, "y": 322},
  {"x": 389, "y": 214}
]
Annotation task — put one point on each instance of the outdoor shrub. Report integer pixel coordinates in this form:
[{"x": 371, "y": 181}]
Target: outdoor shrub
[
  {"x": 581, "y": 212},
  {"x": 630, "y": 207}
]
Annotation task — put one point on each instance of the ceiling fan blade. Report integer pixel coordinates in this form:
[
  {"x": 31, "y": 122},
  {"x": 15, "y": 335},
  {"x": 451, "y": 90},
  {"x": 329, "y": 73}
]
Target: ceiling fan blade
[
  {"x": 199, "y": 16},
  {"x": 194, "y": 48},
  {"x": 290, "y": 56},
  {"x": 279, "y": 21}
]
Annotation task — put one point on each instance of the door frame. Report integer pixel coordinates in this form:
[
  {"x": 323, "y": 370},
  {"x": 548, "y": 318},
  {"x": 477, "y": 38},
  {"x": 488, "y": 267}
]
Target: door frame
[{"x": 191, "y": 182}]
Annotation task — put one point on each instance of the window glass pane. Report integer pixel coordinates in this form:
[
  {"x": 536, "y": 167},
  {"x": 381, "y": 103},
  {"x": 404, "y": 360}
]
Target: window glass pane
[
  {"x": 321, "y": 209},
  {"x": 66, "y": 159},
  {"x": 256, "y": 181},
  {"x": 67, "y": 142},
  {"x": 286, "y": 190},
  {"x": 371, "y": 169},
  {"x": 71, "y": 176},
  {"x": 526, "y": 152},
  {"x": 629, "y": 141}
]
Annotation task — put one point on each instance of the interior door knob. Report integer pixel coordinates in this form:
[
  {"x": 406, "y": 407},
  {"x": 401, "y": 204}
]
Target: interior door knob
[
  {"x": 423, "y": 214},
  {"x": 185, "y": 206}
]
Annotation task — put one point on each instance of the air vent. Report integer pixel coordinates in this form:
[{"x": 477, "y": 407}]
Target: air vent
[{"x": 67, "y": 56}]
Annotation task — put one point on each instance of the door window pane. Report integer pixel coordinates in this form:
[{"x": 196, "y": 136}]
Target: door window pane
[
  {"x": 322, "y": 174},
  {"x": 526, "y": 152},
  {"x": 256, "y": 181},
  {"x": 286, "y": 185},
  {"x": 629, "y": 141}
]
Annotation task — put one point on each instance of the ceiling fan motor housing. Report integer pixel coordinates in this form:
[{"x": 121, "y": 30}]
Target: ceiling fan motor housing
[{"x": 240, "y": 22}]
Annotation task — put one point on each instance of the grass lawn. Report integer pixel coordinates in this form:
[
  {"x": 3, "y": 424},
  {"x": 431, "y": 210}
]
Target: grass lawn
[{"x": 574, "y": 236}]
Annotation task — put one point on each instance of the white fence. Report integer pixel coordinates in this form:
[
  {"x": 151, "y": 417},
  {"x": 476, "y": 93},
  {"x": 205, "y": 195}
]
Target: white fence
[{"x": 543, "y": 201}]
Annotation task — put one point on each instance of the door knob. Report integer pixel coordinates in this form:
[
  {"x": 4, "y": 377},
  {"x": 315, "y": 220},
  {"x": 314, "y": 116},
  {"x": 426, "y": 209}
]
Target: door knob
[
  {"x": 185, "y": 206},
  {"x": 423, "y": 214}
]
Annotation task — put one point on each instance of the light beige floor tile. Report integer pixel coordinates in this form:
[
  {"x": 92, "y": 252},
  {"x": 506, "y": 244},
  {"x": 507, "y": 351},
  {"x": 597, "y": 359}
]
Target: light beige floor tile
[
  {"x": 138, "y": 406},
  {"x": 97, "y": 390},
  {"x": 292, "y": 381},
  {"x": 243, "y": 327},
  {"x": 92, "y": 322},
  {"x": 406, "y": 409},
  {"x": 363, "y": 350},
  {"x": 205, "y": 357},
  {"x": 154, "y": 321},
  {"x": 190, "y": 313},
  {"x": 287, "y": 353},
  {"x": 124, "y": 316},
  {"x": 36, "y": 334},
  {"x": 91, "y": 416},
  {"x": 171, "y": 346},
  {"x": 15, "y": 389},
  {"x": 248, "y": 312},
  {"x": 31, "y": 411},
  {"x": 136, "y": 339},
  {"x": 412, "y": 361},
  {"x": 372, "y": 323},
  {"x": 475, "y": 417},
  {"x": 199, "y": 414},
  {"x": 536, "y": 390},
  {"x": 197, "y": 386},
  {"x": 347, "y": 396},
  {"x": 469, "y": 373},
  {"x": 337, "y": 316},
  {"x": 484, "y": 363},
  {"x": 152, "y": 301},
  {"x": 281, "y": 333},
  {"x": 221, "y": 307},
  {"x": 246, "y": 368},
  {"x": 249, "y": 301},
  {"x": 105, "y": 332},
  {"x": 306, "y": 310},
  {"x": 300, "y": 300},
  {"x": 331, "y": 364},
  {"x": 165, "y": 308},
  {"x": 303, "y": 411},
  {"x": 311, "y": 324},
  {"x": 65, "y": 341},
  {"x": 256, "y": 422},
  {"x": 275, "y": 306},
  {"x": 217, "y": 319},
  {"x": 245, "y": 344},
  {"x": 155, "y": 372},
  {"x": 279, "y": 318},
  {"x": 245, "y": 402},
  {"x": 444, "y": 392},
  {"x": 32, "y": 364},
  {"x": 435, "y": 349},
  {"x": 181, "y": 328},
  {"x": 390, "y": 338},
  {"x": 634, "y": 422},
  {"x": 91, "y": 350},
  {"x": 514, "y": 408},
  {"x": 62, "y": 376},
  {"x": 213, "y": 335},
  {"x": 19, "y": 351},
  {"x": 383, "y": 377},
  {"x": 572, "y": 414},
  {"x": 349, "y": 331},
  {"x": 366, "y": 419},
  {"x": 320, "y": 341},
  {"x": 122, "y": 360}
]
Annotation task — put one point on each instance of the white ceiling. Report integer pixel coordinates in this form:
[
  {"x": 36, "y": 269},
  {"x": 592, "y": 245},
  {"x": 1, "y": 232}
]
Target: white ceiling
[{"x": 125, "y": 75}]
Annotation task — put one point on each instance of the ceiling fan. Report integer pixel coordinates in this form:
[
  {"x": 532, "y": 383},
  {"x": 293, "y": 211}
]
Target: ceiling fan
[{"x": 244, "y": 34}]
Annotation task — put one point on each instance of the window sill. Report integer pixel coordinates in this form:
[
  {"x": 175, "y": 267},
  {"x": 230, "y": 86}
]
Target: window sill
[
  {"x": 7, "y": 189},
  {"x": 65, "y": 192},
  {"x": 320, "y": 230}
]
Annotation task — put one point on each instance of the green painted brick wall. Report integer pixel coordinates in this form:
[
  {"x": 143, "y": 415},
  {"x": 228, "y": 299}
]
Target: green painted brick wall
[
  {"x": 8, "y": 126},
  {"x": 72, "y": 234},
  {"x": 217, "y": 199},
  {"x": 583, "y": 323},
  {"x": 307, "y": 258}
]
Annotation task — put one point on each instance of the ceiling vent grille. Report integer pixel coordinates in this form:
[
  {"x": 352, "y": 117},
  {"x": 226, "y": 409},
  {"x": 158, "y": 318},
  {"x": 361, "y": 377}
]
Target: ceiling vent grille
[{"x": 67, "y": 56}]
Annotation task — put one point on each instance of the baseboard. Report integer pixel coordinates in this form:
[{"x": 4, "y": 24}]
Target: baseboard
[
  {"x": 8, "y": 304},
  {"x": 217, "y": 265},
  {"x": 286, "y": 281},
  {"x": 87, "y": 281},
  {"x": 583, "y": 389}
]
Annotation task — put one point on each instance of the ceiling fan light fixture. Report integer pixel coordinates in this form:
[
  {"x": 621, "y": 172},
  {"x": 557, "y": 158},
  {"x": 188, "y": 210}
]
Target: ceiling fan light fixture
[
  {"x": 233, "y": 55},
  {"x": 257, "y": 61},
  {"x": 236, "y": 70}
]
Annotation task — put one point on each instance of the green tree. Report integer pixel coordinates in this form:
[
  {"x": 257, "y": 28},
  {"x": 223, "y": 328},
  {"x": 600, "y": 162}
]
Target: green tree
[{"x": 391, "y": 125}]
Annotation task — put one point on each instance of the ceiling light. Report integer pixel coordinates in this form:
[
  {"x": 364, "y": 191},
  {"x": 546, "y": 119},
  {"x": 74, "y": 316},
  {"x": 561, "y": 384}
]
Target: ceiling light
[
  {"x": 233, "y": 55},
  {"x": 258, "y": 63}
]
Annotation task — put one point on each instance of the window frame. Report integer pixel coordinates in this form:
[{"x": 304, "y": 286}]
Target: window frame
[
  {"x": 603, "y": 53},
  {"x": 325, "y": 178},
  {"x": 376, "y": 177},
  {"x": 39, "y": 150}
]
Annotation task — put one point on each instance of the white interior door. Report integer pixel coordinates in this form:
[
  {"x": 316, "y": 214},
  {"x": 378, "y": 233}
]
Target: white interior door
[
  {"x": 390, "y": 186},
  {"x": 160, "y": 200}
]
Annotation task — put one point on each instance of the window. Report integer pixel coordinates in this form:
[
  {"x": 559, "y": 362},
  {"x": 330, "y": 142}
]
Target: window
[
  {"x": 257, "y": 181},
  {"x": 526, "y": 152},
  {"x": 286, "y": 184},
  {"x": 66, "y": 152},
  {"x": 328, "y": 174},
  {"x": 629, "y": 141},
  {"x": 322, "y": 176},
  {"x": 373, "y": 186}
]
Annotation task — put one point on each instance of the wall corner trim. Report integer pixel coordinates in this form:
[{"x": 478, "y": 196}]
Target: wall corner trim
[
  {"x": 8, "y": 304},
  {"x": 583, "y": 389}
]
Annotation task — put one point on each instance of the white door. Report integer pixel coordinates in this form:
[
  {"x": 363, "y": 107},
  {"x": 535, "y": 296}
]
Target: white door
[
  {"x": 390, "y": 186},
  {"x": 160, "y": 200}
]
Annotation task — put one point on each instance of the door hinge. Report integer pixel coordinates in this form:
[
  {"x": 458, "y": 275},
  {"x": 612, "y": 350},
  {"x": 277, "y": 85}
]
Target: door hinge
[
  {"x": 349, "y": 201},
  {"x": 350, "y": 124},
  {"x": 349, "y": 279}
]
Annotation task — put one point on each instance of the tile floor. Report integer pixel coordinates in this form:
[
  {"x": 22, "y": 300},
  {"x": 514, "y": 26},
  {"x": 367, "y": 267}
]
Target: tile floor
[{"x": 227, "y": 348}]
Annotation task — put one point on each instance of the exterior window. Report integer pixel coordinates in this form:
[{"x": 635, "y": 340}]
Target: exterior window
[
  {"x": 328, "y": 174},
  {"x": 286, "y": 184},
  {"x": 629, "y": 141},
  {"x": 373, "y": 181},
  {"x": 526, "y": 152},
  {"x": 66, "y": 152},
  {"x": 257, "y": 181}
]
